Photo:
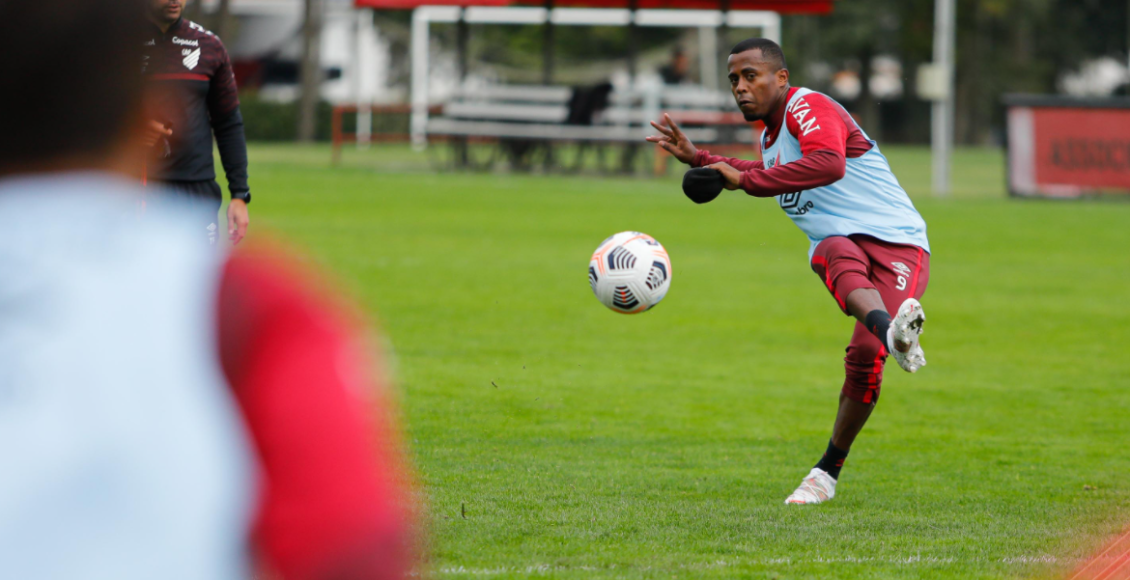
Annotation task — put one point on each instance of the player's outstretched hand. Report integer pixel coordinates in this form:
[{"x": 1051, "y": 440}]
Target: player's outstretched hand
[
  {"x": 732, "y": 177},
  {"x": 673, "y": 140}
]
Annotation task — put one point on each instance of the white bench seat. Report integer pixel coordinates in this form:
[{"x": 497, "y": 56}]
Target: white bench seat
[{"x": 551, "y": 132}]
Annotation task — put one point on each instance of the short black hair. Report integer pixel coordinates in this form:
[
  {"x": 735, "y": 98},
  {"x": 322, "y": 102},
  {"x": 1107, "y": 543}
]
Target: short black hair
[
  {"x": 72, "y": 77},
  {"x": 770, "y": 51}
]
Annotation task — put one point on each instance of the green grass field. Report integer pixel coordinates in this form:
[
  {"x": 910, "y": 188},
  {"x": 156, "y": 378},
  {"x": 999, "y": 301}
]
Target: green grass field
[{"x": 554, "y": 438}]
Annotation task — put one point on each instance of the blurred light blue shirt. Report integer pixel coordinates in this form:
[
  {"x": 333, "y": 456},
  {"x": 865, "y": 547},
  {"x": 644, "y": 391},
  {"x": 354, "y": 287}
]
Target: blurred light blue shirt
[{"x": 122, "y": 454}]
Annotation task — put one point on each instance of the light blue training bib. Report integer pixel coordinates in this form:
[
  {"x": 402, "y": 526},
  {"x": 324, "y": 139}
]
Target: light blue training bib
[{"x": 868, "y": 200}]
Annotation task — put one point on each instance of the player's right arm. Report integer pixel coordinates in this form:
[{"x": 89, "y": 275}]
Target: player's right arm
[
  {"x": 675, "y": 142},
  {"x": 824, "y": 145}
]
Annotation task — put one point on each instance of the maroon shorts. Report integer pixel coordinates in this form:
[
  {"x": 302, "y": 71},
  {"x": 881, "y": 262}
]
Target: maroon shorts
[{"x": 897, "y": 271}]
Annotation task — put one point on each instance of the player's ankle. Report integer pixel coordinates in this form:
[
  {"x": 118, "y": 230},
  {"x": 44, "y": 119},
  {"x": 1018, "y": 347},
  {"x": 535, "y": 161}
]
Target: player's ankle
[
  {"x": 833, "y": 460},
  {"x": 878, "y": 322}
]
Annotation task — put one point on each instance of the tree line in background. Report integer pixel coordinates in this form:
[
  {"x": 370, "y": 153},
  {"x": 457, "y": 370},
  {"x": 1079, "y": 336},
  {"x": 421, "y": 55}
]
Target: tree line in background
[
  {"x": 1003, "y": 46},
  {"x": 311, "y": 75}
]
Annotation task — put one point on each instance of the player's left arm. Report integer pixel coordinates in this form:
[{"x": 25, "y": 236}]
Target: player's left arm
[
  {"x": 822, "y": 133},
  {"x": 227, "y": 126},
  {"x": 334, "y": 490}
]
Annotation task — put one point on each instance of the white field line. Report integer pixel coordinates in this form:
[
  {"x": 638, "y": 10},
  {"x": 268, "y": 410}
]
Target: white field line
[{"x": 915, "y": 560}]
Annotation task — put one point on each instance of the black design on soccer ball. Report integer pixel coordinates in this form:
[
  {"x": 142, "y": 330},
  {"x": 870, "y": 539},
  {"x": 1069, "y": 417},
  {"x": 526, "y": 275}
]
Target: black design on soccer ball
[
  {"x": 657, "y": 275},
  {"x": 621, "y": 259},
  {"x": 624, "y": 299}
]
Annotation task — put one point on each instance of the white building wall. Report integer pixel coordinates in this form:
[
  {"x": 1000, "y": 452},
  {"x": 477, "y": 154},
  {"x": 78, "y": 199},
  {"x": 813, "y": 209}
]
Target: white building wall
[{"x": 273, "y": 29}]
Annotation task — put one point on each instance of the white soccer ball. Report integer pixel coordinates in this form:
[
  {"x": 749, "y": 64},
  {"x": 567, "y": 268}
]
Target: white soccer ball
[{"x": 630, "y": 272}]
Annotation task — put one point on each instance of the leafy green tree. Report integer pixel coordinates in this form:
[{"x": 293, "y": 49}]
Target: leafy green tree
[{"x": 1003, "y": 46}]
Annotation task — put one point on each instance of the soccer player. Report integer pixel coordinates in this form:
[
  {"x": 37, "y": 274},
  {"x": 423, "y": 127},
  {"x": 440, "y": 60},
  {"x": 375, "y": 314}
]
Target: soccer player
[
  {"x": 195, "y": 97},
  {"x": 165, "y": 411},
  {"x": 867, "y": 241}
]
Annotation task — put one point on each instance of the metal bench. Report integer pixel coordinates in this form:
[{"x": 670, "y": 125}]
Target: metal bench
[{"x": 526, "y": 122}]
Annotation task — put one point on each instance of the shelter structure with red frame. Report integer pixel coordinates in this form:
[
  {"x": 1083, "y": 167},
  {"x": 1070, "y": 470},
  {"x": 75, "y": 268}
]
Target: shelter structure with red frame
[
  {"x": 705, "y": 20},
  {"x": 706, "y": 15},
  {"x": 780, "y": 6}
]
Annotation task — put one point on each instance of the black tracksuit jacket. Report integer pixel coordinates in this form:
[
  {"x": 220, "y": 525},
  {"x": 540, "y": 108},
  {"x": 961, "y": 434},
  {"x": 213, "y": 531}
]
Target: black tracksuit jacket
[{"x": 194, "y": 93}]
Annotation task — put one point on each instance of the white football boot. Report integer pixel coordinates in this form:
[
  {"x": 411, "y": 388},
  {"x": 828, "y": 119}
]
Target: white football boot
[
  {"x": 906, "y": 328},
  {"x": 817, "y": 487}
]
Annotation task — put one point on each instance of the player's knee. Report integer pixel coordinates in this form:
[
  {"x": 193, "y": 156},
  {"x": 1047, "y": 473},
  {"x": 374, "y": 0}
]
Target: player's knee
[
  {"x": 868, "y": 395},
  {"x": 846, "y": 270},
  {"x": 860, "y": 388},
  {"x": 863, "y": 372},
  {"x": 839, "y": 256}
]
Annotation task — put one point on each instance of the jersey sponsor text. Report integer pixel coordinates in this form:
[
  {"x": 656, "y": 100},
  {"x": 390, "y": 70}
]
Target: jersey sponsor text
[{"x": 799, "y": 110}]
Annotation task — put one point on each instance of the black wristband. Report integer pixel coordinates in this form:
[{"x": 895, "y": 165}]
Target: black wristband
[{"x": 244, "y": 196}]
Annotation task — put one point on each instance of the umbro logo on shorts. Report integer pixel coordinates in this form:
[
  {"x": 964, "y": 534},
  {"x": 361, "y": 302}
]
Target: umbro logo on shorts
[
  {"x": 900, "y": 268},
  {"x": 192, "y": 59}
]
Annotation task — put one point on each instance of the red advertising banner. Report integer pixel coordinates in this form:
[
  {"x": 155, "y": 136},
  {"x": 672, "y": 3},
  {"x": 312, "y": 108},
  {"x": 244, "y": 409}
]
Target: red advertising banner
[{"x": 1066, "y": 147}]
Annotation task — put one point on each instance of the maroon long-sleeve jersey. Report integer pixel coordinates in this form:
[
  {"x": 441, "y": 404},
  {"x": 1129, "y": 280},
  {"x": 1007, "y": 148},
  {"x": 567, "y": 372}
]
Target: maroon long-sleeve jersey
[
  {"x": 194, "y": 93},
  {"x": 825, "y": 151}
]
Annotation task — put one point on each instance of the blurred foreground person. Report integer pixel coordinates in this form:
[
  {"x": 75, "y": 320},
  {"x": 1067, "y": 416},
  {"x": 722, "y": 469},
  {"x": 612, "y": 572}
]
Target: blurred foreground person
[{"x": 165, "y": 412}]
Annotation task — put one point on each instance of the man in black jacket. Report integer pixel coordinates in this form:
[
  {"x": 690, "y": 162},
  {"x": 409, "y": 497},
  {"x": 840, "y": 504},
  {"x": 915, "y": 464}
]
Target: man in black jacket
[{"x": 194, "y": 98}]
